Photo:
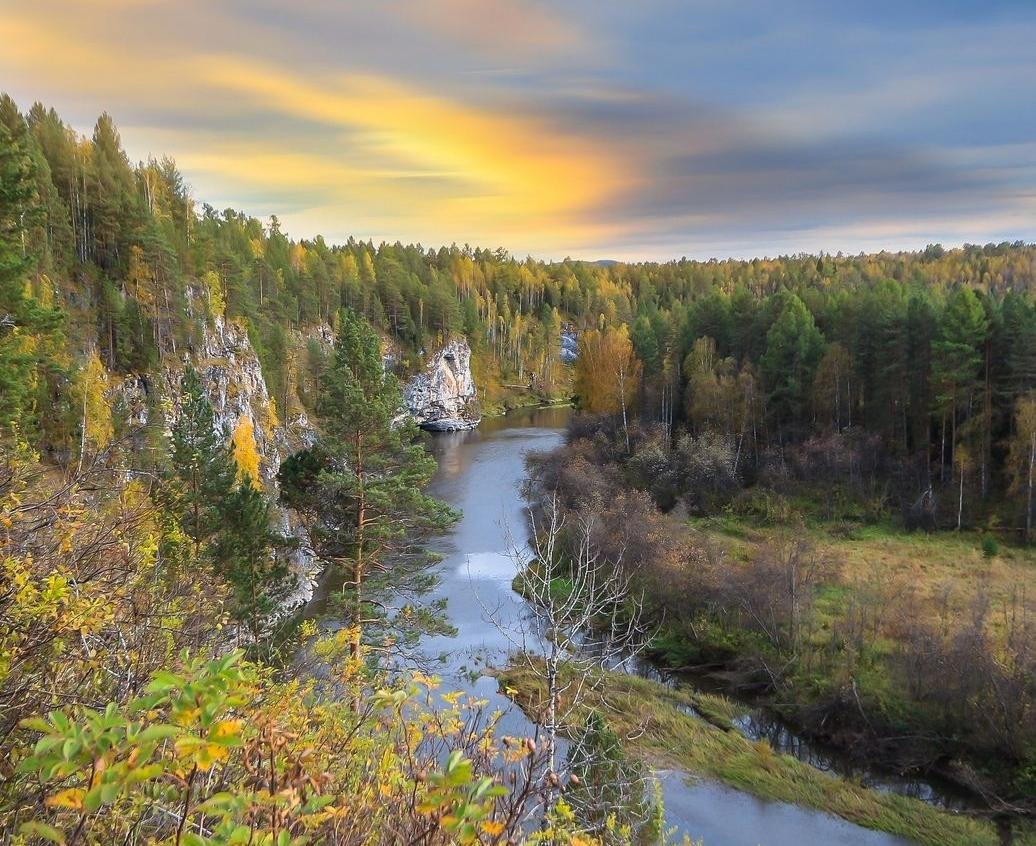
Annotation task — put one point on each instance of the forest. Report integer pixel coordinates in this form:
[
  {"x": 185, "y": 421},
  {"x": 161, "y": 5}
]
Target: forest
[
  {"x": 721, "y": 403},
  {"x": 923, "y": 361}
]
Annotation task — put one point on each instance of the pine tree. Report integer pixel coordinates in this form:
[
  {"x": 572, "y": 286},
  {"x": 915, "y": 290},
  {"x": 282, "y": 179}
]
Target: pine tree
[
  {"x": 245, "y": 553},
  {"x": 29, "y": 331},
  {"x": 794, "y": 346},
  {"x": 957, "y": 358},
  {"x": 360, "y": 487},
  {"x": 112, "y": 192}
]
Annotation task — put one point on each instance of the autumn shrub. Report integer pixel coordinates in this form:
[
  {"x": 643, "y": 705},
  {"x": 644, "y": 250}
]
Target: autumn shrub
[
  {"x": 764, "y": 505},
  {"x": 706, "y": 466},
  {"x": 220, "y": 752}
]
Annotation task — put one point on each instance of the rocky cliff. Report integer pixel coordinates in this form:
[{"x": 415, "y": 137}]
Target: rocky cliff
[
  {"x": 229, "y": 369},
  {"x": 569, "y": 345},
  {"x": 443, "y": 398}
]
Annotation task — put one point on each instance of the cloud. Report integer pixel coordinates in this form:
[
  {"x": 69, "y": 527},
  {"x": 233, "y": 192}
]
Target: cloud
[
  {"x": 591, "y": 129},
  {"x": 394, "y": 148},
  {"x": 495, "y": 27}
]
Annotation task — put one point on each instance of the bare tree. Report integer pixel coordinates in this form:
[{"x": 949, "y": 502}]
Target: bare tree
[{"x": 586, "y": 615}]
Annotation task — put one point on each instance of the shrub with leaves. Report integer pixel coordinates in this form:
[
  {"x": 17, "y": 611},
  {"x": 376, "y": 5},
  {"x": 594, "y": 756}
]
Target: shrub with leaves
[{"x": 221, "y": 753}]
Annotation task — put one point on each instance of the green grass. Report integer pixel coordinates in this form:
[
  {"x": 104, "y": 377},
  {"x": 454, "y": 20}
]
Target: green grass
[{"x": 650, "y": 718}]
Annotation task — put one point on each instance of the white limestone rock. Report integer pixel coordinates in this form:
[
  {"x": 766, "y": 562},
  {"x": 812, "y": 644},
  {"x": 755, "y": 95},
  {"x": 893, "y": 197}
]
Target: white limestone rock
[{"x": 443, "y": 398}]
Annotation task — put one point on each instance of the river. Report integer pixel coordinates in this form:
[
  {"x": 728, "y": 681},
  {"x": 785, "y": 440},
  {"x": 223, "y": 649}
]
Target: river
[{"x": 480, "y": 473}]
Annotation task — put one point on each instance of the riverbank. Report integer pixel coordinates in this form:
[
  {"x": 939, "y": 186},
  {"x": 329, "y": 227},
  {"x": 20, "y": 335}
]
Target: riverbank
[
  {"x": 886, "y": 590},
  {"x": 669, "y": 728},
  {"x": 481, "y": 474},
  {"x": 906, "y": 653}
]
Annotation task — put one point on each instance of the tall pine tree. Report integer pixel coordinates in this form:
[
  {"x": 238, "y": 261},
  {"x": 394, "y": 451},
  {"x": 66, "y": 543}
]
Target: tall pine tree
[
  {"x": 246, "y": 554},
  {"x": 360, "y": 488}
]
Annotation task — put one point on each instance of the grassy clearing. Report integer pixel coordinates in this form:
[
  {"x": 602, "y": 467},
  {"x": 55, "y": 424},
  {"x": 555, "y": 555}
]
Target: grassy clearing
[
  {"x": 656, "y": 727},
  {"x": 937, "y": 575}
]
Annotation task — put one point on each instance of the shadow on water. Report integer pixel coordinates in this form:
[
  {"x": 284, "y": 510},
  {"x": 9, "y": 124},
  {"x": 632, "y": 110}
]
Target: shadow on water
[{"x": 480, "y": 473}]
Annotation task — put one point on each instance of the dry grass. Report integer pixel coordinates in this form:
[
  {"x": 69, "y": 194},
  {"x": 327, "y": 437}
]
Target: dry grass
[
  {"x": 655, "y": 724},
  {"x": 937, "y": 576}
]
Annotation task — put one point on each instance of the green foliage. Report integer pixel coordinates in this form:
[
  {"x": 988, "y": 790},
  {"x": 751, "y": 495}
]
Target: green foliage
[
  {"x": 30, "y": 339},
  {"x": 227, "y": 519},
  {"x": 990, "y": 547},
  {"x": 360, "y": 487},
  {"x": 249, "y": 555},
  {"x": 655, "y": 724},
  {"x": 218, "y": 754},
  {"x": 794, "y": 345},
  {"x": 202, "y": 471},
  {"x": 896, "y": 345}
]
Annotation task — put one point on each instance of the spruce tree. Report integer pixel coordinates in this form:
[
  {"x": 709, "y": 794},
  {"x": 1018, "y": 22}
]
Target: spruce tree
[
  {"x": 957, "y": 360},
  {"x": 227, "y": 521},
  {"x": 794, "y": 346},
  {"x": 202, "y": 474},
  {"x": 245, "y": 553},
  {"x": 29, "y": 331}
]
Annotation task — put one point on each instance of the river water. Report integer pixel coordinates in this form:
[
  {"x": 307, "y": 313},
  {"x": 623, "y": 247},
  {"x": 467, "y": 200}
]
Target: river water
[{"x": 480, "y": 473}]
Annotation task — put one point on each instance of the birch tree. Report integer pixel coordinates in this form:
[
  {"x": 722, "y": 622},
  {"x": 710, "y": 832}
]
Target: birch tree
[{"x": 586, "y": 614}]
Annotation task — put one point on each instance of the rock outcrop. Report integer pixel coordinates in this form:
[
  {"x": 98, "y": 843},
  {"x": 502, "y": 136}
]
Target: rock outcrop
[
  {"x": 229, "y": 369},
  {"x": 443, "y": 398},
  {"x": 569, "y": 345}
]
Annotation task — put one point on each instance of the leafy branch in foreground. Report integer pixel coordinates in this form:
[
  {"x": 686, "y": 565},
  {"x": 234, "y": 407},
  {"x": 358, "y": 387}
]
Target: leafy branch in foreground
[{"x": 220, "y": 753}]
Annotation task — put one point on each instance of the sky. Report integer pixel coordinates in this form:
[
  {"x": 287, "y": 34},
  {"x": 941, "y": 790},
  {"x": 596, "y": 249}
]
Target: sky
[{"x": 641, "y": 129}]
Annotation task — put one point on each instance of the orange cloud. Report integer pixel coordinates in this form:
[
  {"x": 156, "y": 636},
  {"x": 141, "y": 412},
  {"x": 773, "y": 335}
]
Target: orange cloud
[
  {"x": 440, "y": 167},
  {"x": 517, "y": 168}
]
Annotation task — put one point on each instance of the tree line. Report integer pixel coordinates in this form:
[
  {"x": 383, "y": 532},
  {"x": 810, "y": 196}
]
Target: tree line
[
  {"x": 927, "y": 392},
  {"x": 933, "y": 352}
]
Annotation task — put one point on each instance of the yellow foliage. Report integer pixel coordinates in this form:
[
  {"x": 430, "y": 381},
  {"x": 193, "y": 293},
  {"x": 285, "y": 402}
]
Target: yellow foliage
[
  {"x": 214, "y": 289},
  {"x": 270, "y": 419},
  {"x": 607, "y": 370},
  {"x": 140, "y": 281},
  {"x": 97, "y": 415},
  {"x": 245, "y": 453}
]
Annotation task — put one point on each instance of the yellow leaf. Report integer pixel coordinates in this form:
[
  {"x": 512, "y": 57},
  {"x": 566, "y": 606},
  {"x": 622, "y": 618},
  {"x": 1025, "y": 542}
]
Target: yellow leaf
[
  {"x": 492, "y": 827},
  {"x": 225, "y": 729},
  {"x": 245, "y": 453},
  {"x": 208, "y": 755},
  {"x": 72, "y": 797}
]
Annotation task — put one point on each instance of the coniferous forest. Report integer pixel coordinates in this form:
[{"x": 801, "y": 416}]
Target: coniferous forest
[{"x": 751, "y": 435}]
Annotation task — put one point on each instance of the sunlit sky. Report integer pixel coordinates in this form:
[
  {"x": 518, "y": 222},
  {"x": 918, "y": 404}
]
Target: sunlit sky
[{"x": 597, "y": 129}]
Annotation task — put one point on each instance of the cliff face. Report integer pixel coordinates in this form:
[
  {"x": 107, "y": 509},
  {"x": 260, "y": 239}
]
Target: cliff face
[
  {"x": 443, "y": 398},
  {"x": 229, "y": 369},
  {"x": 569, "y": 345}
]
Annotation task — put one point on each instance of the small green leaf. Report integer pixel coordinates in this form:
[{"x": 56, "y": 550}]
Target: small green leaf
[
  {"x": 37, "y": 724},
  {"x": 47, "y": 832},
  {"x": 144, "y": 773},
  {"x": 92, "y": 800},
  {"x": 152, "y": 734},
  {"x": 70, "y": 748}
]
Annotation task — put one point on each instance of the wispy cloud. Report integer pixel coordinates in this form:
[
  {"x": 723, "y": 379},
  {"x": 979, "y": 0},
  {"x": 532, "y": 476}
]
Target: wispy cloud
[{"x": 596, "y": 129}]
